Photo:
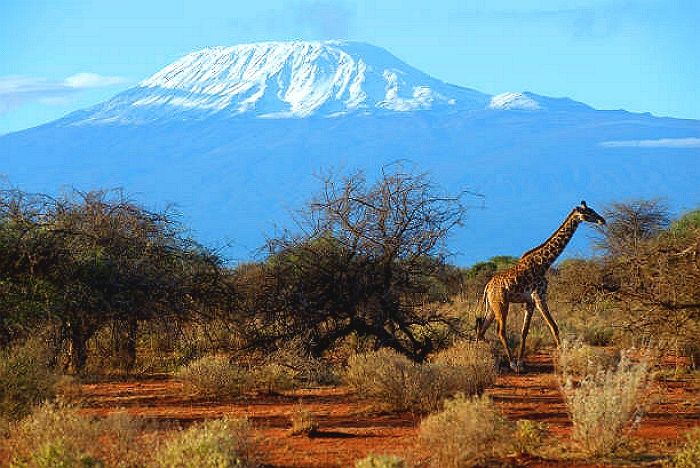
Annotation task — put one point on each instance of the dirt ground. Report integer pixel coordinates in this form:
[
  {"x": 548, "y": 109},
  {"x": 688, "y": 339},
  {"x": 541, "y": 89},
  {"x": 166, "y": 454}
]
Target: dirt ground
[{"x": 348, "y": 430}]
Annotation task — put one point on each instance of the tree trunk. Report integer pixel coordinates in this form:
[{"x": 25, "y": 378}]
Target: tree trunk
[
  {"x": 132, "y": 327},
  {"x": 77, "y": 347}
]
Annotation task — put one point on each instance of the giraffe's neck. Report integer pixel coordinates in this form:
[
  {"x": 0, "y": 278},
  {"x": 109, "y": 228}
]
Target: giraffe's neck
[{"x": 544, "y": 255}]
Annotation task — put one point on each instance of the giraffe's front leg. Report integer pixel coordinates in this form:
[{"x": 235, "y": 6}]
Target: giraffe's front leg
[{"x": 541, "y": 303}]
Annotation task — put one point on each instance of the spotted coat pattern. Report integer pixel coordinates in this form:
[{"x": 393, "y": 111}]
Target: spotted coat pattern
[{"x": 526, "y": 282}]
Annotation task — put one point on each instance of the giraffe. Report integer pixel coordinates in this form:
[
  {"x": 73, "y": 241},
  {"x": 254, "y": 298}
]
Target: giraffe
[{"x": 525, "y": 282}]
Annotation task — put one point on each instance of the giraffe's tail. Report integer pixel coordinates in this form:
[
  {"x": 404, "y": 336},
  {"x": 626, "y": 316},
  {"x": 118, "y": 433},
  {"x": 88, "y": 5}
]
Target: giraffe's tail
[{"x": 483, "y": 322}]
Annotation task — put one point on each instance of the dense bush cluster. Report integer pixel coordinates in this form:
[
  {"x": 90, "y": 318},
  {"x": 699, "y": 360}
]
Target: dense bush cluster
[{"x": 392, "y": 381}]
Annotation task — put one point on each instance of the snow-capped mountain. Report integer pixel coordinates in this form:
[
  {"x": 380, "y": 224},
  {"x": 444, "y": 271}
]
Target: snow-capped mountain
[
  {"x": 234, "y": 136},
  {"x": 532, "y": 102},
  {"x": 284, "y": 79}
]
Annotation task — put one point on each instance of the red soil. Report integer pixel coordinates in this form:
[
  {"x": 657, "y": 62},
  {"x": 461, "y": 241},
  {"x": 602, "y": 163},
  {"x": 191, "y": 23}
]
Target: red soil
[{"x": 349, "y": 431}]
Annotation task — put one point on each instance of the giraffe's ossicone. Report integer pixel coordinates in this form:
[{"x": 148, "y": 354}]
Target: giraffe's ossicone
[{"x": 526, "y": 282}]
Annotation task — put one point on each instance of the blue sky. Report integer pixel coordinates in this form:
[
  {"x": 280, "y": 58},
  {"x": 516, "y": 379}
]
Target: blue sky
[{"x": 57, "y": 56}]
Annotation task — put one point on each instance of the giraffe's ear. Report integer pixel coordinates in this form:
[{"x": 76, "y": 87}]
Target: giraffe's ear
[{"x": 583, "y": 204}]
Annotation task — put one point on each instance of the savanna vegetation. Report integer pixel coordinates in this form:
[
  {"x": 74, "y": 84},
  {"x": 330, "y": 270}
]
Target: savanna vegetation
[{"x": 359, "y": 297}]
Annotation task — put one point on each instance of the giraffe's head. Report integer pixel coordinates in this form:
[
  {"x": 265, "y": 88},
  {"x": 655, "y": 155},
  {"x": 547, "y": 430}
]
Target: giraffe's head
[{"x": 585, "y": 213}]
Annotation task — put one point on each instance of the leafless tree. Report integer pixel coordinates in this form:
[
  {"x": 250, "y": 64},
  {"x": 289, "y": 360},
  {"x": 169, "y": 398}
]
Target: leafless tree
[{"x": 367, "y": 257}]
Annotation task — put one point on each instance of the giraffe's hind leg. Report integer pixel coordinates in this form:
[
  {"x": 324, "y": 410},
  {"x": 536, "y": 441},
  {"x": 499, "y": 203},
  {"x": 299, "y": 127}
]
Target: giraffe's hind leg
[
  {"x": 500, "y": 309},
  {"x": 529, "y": 310},
  {"x": 484, "y": 325}
]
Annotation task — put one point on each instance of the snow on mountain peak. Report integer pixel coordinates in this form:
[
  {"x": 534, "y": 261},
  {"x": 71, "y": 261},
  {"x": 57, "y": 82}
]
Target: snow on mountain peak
[
  {"x": 514, "y": 101},
  {"x": 284, "y": 79},
  {"x": 526, "y": 101}
]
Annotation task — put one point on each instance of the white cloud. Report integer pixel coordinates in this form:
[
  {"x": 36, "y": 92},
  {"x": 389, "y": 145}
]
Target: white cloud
[
  {"x": 18, "y": 90},
  {"x": 691, "y": 142},
  {"x": 92, "y": 80}
]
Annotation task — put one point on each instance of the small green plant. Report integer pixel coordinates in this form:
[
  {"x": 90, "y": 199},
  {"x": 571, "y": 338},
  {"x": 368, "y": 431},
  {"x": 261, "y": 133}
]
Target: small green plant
[
  {"x": 303, "y": 422},
  {"x": 215, "y": 376},
  {"x": 467, "y": 432},
  {"x": 606, "y": 404},
  {"x": 56, "y": 455},
  {"x": 380, "y": 461},
  {"x": 219, "y": 443},
  {"x": 530, "y": 435},
  {"x": 26, "y": 379},
  {"x": 689, "y": 455}
]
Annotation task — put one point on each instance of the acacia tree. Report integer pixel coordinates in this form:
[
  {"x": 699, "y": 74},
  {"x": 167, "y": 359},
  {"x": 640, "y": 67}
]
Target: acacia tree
[
  {"x": 657, "y": 280},
  {"x": 630, "y": 224},
  {"x": 366, "y": 262},
  {"x": 90, "y": 259}
]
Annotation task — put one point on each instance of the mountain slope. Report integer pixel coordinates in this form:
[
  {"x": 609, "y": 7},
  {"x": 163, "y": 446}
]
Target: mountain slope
[
  {"x": 280, "y": 80},
  {"x": 235, "y": 174}
]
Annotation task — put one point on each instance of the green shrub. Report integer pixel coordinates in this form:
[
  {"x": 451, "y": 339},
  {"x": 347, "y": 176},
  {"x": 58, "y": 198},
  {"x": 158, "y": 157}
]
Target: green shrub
[
  {"x": 605, "y": 405},
  {"x": 217, "y": 443},
  {"x": 529, "y": 435},
  {"x": 467, "y": 432},
  {"x": 686, "y": 224},
  {"x": 380, "y": 461},
  {"x": 26, "y": 379},
  {"x": 56, "y": 455},
  {"x": 689, "y": 455},
  {"x": 393, "y": 382},
  {"x": 215, "y": 376}
]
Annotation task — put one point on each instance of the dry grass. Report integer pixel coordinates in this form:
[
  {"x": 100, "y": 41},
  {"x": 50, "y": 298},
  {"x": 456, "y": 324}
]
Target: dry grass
[
  {"x": 303, "y": 422},
  {"x": 380, "y": 461},
  {"x": 606, "y": 404},
  {"x": 393, "y": 382},
  {"x": 272, "y": 378},
  {"x": 578, "y": 359},
  {"x": 467, "y": 432},
  {"x": 301, "y": 366},
  {"x": 26, "y": 379},
  {"x": 215, "y": 376},
  {"x": 390, "y": 380},
  {"x": 467, "y": 367},
  {"x": 689, "y": 455},
  {"x": 217, "y": 443},
  {"x": 57, "y": 435}
]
